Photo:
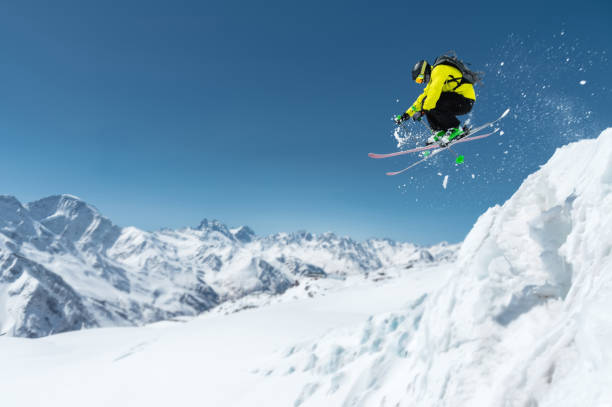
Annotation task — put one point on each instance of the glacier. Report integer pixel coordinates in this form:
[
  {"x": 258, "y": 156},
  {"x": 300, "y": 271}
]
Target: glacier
[{"x": 520, "y": 317}]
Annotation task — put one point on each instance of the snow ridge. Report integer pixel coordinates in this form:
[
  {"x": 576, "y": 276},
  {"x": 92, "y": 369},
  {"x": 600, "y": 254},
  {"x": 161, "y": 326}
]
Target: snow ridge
[{"x": 523, "y": 319}]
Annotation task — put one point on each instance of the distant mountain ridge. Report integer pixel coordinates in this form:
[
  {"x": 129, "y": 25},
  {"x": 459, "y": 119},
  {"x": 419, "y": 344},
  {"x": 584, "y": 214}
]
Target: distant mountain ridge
[{"x": 64, "y": 266}]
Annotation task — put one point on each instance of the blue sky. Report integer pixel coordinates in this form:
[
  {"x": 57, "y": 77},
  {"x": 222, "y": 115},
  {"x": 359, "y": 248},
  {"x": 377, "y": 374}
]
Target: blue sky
[{"x": 163, "y": 113}]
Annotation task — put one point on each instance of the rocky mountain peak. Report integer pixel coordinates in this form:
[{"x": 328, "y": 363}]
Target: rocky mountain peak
[
  {"x": 214, "y": 225},
  {"x": 244, "y": 234}
]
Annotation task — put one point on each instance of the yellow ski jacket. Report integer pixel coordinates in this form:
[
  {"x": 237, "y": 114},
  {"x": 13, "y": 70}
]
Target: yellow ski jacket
[{"x": 442, "y": 80}]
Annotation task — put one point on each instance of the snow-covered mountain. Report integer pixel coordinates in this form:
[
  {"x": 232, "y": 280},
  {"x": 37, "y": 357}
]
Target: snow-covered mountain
[{"x": 64, "y": 266}]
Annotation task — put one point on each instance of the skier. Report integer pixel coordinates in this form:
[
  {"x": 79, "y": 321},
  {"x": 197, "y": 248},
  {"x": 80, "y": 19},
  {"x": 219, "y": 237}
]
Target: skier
[{"x": 449, "y": 92}]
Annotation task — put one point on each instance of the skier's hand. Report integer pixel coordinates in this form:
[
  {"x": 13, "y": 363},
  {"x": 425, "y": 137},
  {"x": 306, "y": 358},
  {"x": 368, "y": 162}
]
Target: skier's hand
[
  {"x": 399, "y": 119},
  {"x": 417, "y": 115}
]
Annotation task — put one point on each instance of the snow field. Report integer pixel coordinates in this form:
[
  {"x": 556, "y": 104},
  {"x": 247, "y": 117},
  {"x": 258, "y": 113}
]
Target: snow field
[{"x": 217, "y": 359}]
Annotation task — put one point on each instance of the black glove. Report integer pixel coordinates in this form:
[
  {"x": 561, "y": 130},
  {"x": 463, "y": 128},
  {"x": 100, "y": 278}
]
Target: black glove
[
  {"x": 399, "y": 119},
  {"x": 418, "y": 115}
]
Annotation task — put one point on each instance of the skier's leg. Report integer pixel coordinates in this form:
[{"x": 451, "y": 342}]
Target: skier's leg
[
  {"x": 457, "y": 104},
  {"x": 463, "y": 106},
  {"x": 441, "y": 119},
  {"x": 447, "y": 108},
  {"x": 433, "y": 121}
]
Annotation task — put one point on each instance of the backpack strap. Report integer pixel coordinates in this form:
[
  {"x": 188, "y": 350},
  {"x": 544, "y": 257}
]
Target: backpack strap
[
  {"x": 459, "y": 65},
  {"x": 458, "y": 81}
]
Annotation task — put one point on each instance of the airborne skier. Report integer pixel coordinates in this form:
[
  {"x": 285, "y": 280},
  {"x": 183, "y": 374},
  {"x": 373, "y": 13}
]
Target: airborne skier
[{"x": 449, "y": 92}]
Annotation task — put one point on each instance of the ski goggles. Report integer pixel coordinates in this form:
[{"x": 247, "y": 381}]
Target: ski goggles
[{"x": 421, "y": 76}]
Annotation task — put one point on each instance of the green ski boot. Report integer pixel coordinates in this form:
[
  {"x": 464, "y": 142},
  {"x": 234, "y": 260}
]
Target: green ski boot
[
  {"x": 454, "y": 133},
  {"x": 435, "y": 138},
  {"x": 450, "y": 135}
]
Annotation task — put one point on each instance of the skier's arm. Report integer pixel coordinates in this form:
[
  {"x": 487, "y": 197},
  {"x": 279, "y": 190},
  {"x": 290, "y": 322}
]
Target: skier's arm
[
  {"x": 418, "y": 104},
  {"x": 438, "y": 76}
]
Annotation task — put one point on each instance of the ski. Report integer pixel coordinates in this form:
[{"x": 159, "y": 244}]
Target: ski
[
  {"x": 434, "y": 146},
  {"x": 427, "y": 157},
  {"x": 477, "y": 129},
  {"x": 414, "y": 150},
  {"x": 440, "y": 149}
]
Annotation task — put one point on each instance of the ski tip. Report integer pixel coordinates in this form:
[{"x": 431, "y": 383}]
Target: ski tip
[
  {"x": 392, "y": 173},
  {"x": 372, "y": 155},
  {"x": 505, "y": 113}
]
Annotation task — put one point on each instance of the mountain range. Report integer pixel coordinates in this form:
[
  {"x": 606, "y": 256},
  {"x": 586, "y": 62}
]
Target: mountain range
[{"x": 64, "y": 266}]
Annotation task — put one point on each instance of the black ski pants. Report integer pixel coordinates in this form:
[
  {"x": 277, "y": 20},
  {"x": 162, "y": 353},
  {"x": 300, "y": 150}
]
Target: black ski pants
[{"x": 449, "y": 106}]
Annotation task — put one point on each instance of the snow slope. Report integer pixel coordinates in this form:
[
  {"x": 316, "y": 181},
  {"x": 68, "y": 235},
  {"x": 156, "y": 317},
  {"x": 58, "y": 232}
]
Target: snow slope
[{"x": 522, "y": 318}]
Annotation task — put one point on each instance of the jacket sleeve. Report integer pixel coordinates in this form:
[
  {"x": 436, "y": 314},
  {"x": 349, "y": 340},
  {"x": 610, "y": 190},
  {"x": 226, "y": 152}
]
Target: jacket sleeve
[
  {"x": 434, "y": 88},
  {"x": 418, "y": 104}
]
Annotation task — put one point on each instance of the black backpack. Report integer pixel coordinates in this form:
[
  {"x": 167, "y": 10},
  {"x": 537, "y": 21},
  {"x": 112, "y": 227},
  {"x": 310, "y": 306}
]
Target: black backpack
[{"x": 467, "y": 75}]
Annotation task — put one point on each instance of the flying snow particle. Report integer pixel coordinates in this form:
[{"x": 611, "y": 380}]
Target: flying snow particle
[
  {"x": 501, "y": 64},
  {"x": 473, "y": 176},
  {"x": 501, "y": 133},
  {"x": 439, "y": 174},
  {"x": 445, "y": 182},
  {"x": 583, "y": 82}
]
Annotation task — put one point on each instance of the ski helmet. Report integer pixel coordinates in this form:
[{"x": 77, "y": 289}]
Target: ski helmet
[{"x": 421, "y": 72}]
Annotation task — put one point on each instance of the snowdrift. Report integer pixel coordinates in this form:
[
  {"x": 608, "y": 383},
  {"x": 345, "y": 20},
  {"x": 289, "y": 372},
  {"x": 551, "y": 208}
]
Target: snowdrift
[{"x": 523, "y": 320}]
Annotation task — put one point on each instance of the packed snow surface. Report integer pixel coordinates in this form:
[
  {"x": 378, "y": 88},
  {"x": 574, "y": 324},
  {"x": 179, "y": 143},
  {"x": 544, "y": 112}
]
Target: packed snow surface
[
  {"x": 213, "y": 360},
  {"x": 521, "y": 318}
]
